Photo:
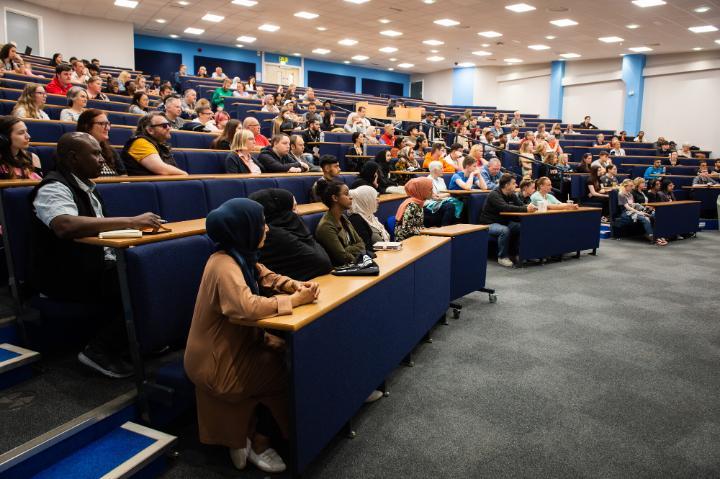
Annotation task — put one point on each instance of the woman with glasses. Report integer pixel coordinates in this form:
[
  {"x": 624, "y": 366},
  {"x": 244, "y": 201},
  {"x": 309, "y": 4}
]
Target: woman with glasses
[
  {"x": 31, "y": 103},
  {"x": 96, "y": 123},
  {"x": 77, "y": 100}
]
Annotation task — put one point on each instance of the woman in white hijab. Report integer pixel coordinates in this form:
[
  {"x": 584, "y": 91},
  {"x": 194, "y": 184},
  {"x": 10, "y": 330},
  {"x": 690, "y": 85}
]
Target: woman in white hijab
[{"x": 362, "y": 216}]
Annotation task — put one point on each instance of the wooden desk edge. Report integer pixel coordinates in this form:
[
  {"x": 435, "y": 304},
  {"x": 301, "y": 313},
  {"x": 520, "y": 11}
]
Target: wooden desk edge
[
  {"x": 453, "y": 230},
  {"x": 298, "y": 320},
  {"x": 551, "y": 212},
  {"x": 673, "y": 203}
]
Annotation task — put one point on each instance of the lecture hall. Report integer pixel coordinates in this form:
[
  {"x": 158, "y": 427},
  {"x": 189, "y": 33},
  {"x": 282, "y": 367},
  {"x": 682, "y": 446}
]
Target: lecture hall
[{"x": 461, "y": 239}]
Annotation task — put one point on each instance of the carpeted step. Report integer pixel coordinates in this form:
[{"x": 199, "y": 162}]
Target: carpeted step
[{"x": 15, "y": 364}]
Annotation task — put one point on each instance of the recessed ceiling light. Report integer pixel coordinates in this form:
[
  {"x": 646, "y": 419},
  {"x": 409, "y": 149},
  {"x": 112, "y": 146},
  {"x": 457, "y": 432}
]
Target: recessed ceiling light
[
  {"x": 194, "y": 31},
  {"x": 183, "y": 3},
  {"x": 611, "y": 39},
  {"x": 210, "y": 17},
  {"x": 702, "y": 9},
  {"x": 520, "y": 7},
  {"x": 433, "y": 43},
  {"x": 717, "y": 41},
  {"x": 703, "y": 29},
  {"x": 388, "y": 49},
  {"x": 481, "y": 53},
  {"x": 357, "y": 1},
  {"x": 321, "y": 51},
  {"x": 570, "y": 55},
  {"x": 239, "y": 46},
  {"x": 406, "y": 65},
  {"x": 512, "y": 60},
  {"x": 348, "y": 42},
  {"x": 640, "y": 49},
  {"x": 321, "y": 29},
  {"x": 446, "y": 22},
  {"x": 391, "y": 69},
  {"x": 245, "y": 3},
  {"x": 697, "y": 49},
  {"x": 392, "y": 59},
  {"x": 538, "y": 47},
  {"x": 126, "y": 3},
  {"x": 648, "y": 3},
  {"x": 268, "y": 27},
  {"x": 306, "y": 15},
  {"x": 246, "y": 39},
  {"x": 550, "y": 37},
  {"x": 172, "y": 35},
  {"x": 485, "y": 45},
  {"x": 296, "y": 54},
  {"x": 632, "y": 26},
  {"x": 434, "y": 51},
  {"x": 161, "y": 20},
  {"x": 360, "y": 58},
  {"x": 564, "y": 22},
  {"x": 429, "y": 2},
  {"x": 384, "y": 20},
  {"x": 435, "y": 59},
  {"x": 346, "y": 61},
  {"x": 466, "y": 64},
  {"x": 490, "y": 34},
  {"x": 390, "y": 33}
]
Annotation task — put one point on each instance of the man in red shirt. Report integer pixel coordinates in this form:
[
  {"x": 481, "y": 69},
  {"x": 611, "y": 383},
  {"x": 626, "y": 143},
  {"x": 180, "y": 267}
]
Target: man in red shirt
[
  {"x": 60, "y": 83},
  {"x": 252, "y": 124},
  {"x": 389, "y": 136}
]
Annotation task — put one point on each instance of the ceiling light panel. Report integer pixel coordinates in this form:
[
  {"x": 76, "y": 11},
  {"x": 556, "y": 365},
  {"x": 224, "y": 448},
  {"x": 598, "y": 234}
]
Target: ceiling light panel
[
  {"x": 268, "y": 27},
  {"x": 512, "y": 60},
  {"x": 434, "y": 43},
  {"x": 406, "y": 65},
  {"x": 357, "y": 1},
  {"x": 211, "y": 17},
  {"x": 564, "y": 22},
  {"x": 520, "y": 8},
  {"x": 435, "y": 59},
  {"x": 384, "y": 20},
  {"x": 570, "y": 55},
  {"x": 126, "y": 3},
  {"x": 481, "y": 53},
  {"x": 246, "y": 39},
  {"x": 538, "y": 47},
  {"x": 703, "y": 29},
  {"x": 245, "y": 3},
  {"x": 194, "y": 31},
  {"x": 550, "y": 37},
  {"x": 321, "y": 51},
  {"x": 702, "y": 9},
  {"x": 161, "y": 20},
  {"x": 632, "y": 26},
  {"x": 610, "y": 39},
  {"x": 390, "y": 33},
  {"x": 388, "y": 49},
  {"x": 466, "y": 64},
  {"x": 446, "y": 22},
  {"x": 490, "y": 34},
  {"x": 307, "y": 15},
  {"x": 649, "y": 3},
  {"x": 321, "y": 29},
  {"x": 348, "y": 42},
  {"x": 360, "y": 58},
  {"x": 640, "y": 49}
]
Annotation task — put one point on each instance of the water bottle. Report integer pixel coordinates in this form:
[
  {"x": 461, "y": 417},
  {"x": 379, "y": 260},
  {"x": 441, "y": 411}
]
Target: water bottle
[{"x": 322, "y": 136}]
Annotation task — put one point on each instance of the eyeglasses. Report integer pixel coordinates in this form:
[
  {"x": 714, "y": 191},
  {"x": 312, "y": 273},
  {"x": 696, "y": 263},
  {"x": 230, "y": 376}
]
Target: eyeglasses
[
  {"x": 161, "y": 125},
  {"x": 104, "y": 124}
]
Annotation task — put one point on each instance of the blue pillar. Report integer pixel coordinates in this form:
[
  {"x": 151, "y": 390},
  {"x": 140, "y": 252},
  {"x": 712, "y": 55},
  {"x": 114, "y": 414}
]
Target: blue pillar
[
  {"x": 463, "y": 86},
  {"x": 632, "y": 76},
  {"x": 557, "y": 73}
]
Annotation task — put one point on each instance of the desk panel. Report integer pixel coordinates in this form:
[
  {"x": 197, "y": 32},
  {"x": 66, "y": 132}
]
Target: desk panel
[{"x": 676, "y": 218}]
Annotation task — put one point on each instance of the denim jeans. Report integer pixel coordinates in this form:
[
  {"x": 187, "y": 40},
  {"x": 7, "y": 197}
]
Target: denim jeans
[
  {"x": 504, "y": 235},
  {"x": 626, "y": 219}
]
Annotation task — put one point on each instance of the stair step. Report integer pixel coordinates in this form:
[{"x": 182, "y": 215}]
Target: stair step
[
  {"x": 15, "y": 364},
  {"x": 120, "y": 453}
]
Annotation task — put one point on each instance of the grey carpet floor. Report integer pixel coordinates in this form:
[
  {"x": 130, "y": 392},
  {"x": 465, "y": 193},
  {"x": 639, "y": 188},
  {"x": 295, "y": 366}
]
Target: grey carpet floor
[{"x": 606, "y": 366}]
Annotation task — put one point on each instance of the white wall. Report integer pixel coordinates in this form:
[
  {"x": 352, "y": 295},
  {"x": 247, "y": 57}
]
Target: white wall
[
  {"x": 684, "y": 107},
  {"x": 525, "y": 88},
  {"x": 604, "y": 102},
  {"x": 73, "y": 35},
  {"x": 485, "y": 86},
  {"x": 437, "y": 87}
]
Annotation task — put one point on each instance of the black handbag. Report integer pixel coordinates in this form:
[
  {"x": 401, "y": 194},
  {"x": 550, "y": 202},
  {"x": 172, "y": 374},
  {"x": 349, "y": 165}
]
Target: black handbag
[{"x": 364, "y": 266}]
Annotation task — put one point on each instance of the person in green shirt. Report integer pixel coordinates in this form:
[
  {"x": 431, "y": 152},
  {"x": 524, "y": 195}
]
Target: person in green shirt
[
  {"x": 334, "y": 232},
  {"x": 218, "y": 97},
  {"x": 543, "y": 188}
]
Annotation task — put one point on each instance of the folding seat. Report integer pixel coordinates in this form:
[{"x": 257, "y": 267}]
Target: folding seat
[
  {"x": 190, "y": 139},
  {"x": 218, "y": 192},
  {"x": 256, "y": 184},
  {"x": 181, "y": 200},
  {"x": 120, "y": 136},
  {"x": 298, "y": 186},
  {"x": 11, "y": 94},
  {"x": 312, "y": 220},
  {"x": 180, "y": 159},
  {"x": 205, "y": 162},
  {"x": 44, "y": 131},
  {"x": 18, "y": 217},
  {"x": 129, "y": 199},
  {"x": 46, "y": 155}
]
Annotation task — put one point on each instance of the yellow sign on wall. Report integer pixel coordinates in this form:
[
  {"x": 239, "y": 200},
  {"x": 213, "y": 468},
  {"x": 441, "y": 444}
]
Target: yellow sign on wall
[{"x": 283, "y": 60}]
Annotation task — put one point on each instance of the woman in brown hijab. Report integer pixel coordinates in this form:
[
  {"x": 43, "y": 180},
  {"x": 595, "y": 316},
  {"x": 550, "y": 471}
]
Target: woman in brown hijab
[{"x": 236, "y": 368}]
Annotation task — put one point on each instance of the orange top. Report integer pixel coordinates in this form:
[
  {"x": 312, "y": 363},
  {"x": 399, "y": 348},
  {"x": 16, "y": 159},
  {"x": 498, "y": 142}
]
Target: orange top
[{"x": 447, "y": 167}]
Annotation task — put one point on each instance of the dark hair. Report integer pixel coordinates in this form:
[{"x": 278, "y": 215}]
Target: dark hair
[
  {"x": 603, "y": 153},
  {"x": 62, "y": 67},
  {"x": 355, "y": 136},
  {"x": 526, "y": 182},
  {"x": 85, "y": 123},
  {"x": 594, "y": 178},
  {"x": 5, "y": 50},
  {"x": 294, "y": 139},
  {"x": 327, "y": 189},
  {"x": 276, "y": 138},
  {"x": 665, "y": 185},
  {"x": 227, "y": 134},
  {"x": 23, "y": 160},
  {"x": 136, "y": 98},
  {"x": 411, "y": 128},
  {"x": 328, "y": 160},
  {"x": 145, "y": 121},
  {"x": 398, "y": 142},
  {"x": 610, "y": 167},
  {"x": 456, "y": 146},
  {"x": 436, "y": 147},
  {"x": 468, "y": 160},
  {"x": 586, "y": 155},
  {"x": 312, "y": 120},
  {"x": 54, "y": 61},
  {"x": 505, "y": 179}
]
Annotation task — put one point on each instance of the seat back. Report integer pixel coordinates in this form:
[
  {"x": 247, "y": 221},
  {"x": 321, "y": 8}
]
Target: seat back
[
  {"x": 18, "y": 217},
  {"x": 205, "y": 162},
  {"x": 181, "y": 200},
  {"x": 312, "y": 220},
  {"x": 129, "y": 199},
  {"x": 218, "y": 192},
  {"x": 298, "y": 186},
  {"x": 256, "y": 184}
]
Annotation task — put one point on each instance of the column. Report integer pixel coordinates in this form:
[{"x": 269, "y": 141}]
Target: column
[
  {"x": 463, "y": 85},
  {"x": 557, "y": 73},
  {"x": 632, "y": 76}
]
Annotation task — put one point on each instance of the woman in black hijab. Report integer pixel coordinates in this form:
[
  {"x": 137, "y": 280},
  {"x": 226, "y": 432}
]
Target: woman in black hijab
[
  {"x": 369, "y": 176},
  {"x": 290, "y": 249}
]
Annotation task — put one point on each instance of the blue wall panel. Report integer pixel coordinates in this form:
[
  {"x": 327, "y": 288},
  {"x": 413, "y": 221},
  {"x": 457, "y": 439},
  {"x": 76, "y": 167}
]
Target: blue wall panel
[
  {"x": 157, "y": 63},
  {"x": 231, "y": 68},
  {"x": 632, "y": 76},
  {"x": 330, "y": 81},
  {"x": 358, "y": 72},
  {"x": 463, "y": 86},
  {"x": 378, "y": 87},
  {"x": 557, "y": 73}
]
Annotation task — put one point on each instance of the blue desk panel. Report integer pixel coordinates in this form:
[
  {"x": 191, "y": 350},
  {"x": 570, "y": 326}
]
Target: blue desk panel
[{"x": 676, "y": 218}]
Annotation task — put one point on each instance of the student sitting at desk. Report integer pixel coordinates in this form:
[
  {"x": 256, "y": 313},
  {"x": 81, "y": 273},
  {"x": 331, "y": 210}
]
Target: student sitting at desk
[
  {"x": 638, "y": 192},
  {"x": 275, "y": 158},
  {"x": 239, "y": 160},
  {"x": 148, "y": 151},
  {"x": 503, "y": 199},
  {"x": 369, "y": 176},
  {"x": 655, "y": 171},
  {"x": 595, "y": 191},
  {"x": 609, "y": 179},
  {"x": 543, "y": 192},
  {"x": 66, "y": 206},
  {"x": 440, "y": 194},
  {"x": 636, "y": 213},
  {"x": 469, "y": 178},
  {"x": 490, "y": 174},
  {"x": 16, "y": 162},
  {"x": 585, "y": 164},
  {"x": 362, "y": 216},
  {"x": 334, "y": 231},
  {"x": 437, "y": 154},
  {"x": 238, "y": 371},
  {"x": 356, "y": 149},
  {"x": 703, "y": 177},
  {"x": 330, "y": 167},
  {"x": 667, "y": 191},
  {"x": 527, "y": 188},
  {"x": 411, "y": 216},
  {"x": 653, "y": 192},
  {"x": 383, "y": 159},
  {"x": 289, "y": 249}
]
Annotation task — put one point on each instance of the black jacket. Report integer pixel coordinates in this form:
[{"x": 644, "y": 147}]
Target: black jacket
[
  {"x": 270, "y": 162},
  {"x": 134, "y": 167},
  {"x": 552, "y": 172},
  {"x": 311, "y": 137},
  {"x": 497, "y": 203},
  {"x": 233, "y": 164}
]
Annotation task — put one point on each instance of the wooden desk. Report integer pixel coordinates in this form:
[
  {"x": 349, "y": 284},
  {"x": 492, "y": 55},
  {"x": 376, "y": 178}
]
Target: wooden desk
[
  {"x": 468, "y": 259},
  {"x": 556, "y": 232},
  {"x": 676, "y": 218}
]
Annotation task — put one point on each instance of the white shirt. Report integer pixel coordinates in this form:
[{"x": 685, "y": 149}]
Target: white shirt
[
  {"x": 439, "y": 185},
  {"x": 221, "y": 76}
]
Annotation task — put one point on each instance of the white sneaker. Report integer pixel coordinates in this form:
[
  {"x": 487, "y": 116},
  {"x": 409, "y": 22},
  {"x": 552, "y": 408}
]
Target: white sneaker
[
  {"x": 268, "y": 461},
  {"x": 374, "y": 396},
  {"x": 505, "y": 262},
  {"x": 239, "y": 456}
]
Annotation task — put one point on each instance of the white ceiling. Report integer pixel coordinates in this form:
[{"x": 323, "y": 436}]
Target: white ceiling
[{"x": 663, "y": 28}]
